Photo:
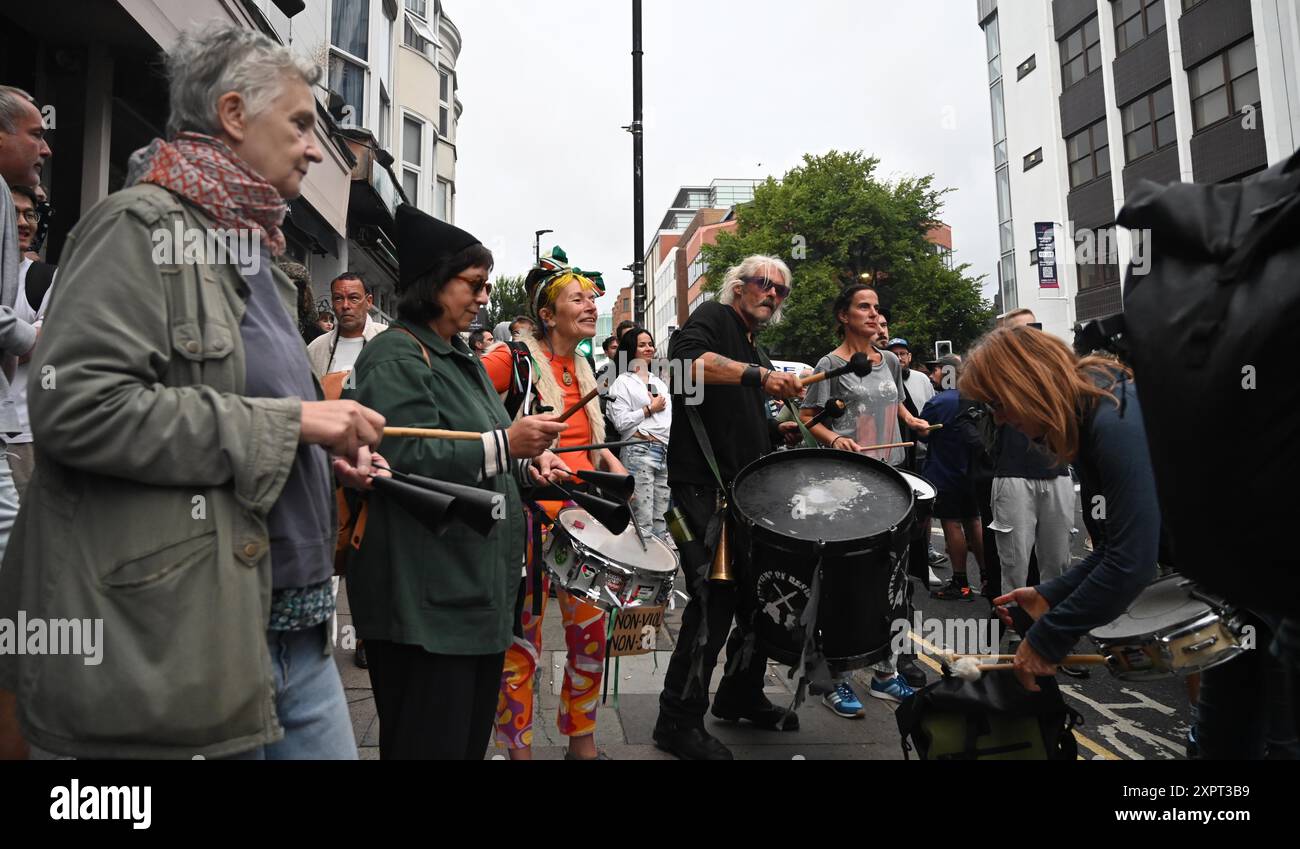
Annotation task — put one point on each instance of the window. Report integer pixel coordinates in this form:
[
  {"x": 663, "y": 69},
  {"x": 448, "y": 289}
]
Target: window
[
  {"x": 1097, "y": 254},
  {"x": 994, "y": 49},
  {"x": 446, "y": 86},
  {"x": 1007, "y": 278},
  {"x": 1023, "y": 69},
  {"x": 1081, "y": 52},
  {"x": 1187, "y": 4},
  {"x": 442, "y": 207},
  {"x": 412, "y": 157},
  {"x": 1148, "y": 123},
  {"x": 350, "y": 26},
  {"x": 1088, "y": 154},
  {"x": 419, "y": 7},
  {"x": 412, "y": 130},
  {"x": 1035, "y": 158},
  {"x": 1003, "y": 180},
  {"x": 1135, "y": 20},
  {"x": 348, "y": 80},
  {"x": 385, "y": 117},
  {"x": 412, "y": 38},
  {"x": 1224, "y": 85}
]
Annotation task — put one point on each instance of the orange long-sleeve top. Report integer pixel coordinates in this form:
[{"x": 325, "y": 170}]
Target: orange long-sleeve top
[{"x": 499, "y": 364}]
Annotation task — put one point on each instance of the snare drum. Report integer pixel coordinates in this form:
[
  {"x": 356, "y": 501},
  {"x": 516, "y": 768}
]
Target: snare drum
[
  {"x": 611, "y": 572},
  {"x": 1169, "y": 630},
  {"x": 846, "y": 515}
]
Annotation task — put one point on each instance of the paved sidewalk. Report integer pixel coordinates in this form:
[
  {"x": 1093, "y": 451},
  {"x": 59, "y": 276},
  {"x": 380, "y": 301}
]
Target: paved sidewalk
[{"x": 624, "y": 725}]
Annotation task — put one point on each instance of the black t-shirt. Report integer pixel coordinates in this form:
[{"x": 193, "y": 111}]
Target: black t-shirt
[{"x": 735, "y": 417}]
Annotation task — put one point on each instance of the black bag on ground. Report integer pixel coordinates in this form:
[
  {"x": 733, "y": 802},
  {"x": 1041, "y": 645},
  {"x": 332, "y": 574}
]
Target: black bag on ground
[
  {"x": 1210, "y": 329},
  {"x": 992, "y": 719}
]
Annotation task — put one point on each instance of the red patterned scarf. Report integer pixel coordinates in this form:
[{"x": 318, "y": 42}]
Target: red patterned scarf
[{"x": 205, "y": 171}]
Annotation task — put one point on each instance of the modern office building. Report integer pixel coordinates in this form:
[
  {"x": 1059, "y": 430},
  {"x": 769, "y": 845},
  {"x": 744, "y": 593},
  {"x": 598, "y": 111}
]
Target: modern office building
[
  {"x": 1089, "y": 97},
  {"x": 673, "y": 265}
]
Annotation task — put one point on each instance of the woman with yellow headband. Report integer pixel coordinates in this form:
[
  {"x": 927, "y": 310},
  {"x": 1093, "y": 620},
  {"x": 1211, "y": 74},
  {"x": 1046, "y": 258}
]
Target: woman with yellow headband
[{"x": 563, "y": 300}]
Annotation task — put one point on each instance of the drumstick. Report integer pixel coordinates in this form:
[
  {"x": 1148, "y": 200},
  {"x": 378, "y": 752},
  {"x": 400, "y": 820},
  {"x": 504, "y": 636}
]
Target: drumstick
[
  {"x": 433, "y": 433},
  {"x": 584, "y": 401},
  {"x": 890, "y": 445}
]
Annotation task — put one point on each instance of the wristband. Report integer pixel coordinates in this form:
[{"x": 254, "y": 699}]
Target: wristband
[
  {"x": 751, "y": 377},
  {"x": 766, "y": 376}
]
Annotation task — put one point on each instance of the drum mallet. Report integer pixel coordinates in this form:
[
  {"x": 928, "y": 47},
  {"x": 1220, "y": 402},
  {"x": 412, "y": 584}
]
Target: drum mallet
[
  {"x": 582, "y": 402},
  {"x": 860, "y": 364},
  {"x": 969, "y": 668},
  {"x": 835, "y": 409}
]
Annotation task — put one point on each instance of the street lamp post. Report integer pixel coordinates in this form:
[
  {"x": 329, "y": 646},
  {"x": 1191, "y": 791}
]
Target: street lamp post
[
  {"x": 637, "y": 129},
  {"x": 537, "y": 245}
]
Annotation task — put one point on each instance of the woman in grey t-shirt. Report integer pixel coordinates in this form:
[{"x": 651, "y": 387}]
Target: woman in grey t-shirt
[{"x": 873, "y": 417}]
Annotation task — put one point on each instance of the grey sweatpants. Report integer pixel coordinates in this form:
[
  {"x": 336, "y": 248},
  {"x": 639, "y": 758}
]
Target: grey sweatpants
[{"x": 1032, "y": 514}]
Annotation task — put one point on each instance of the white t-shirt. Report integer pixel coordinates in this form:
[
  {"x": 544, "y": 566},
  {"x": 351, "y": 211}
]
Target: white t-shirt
[
  {"x": 919, "y": 388},
  {"x": 346, "y": 353},
  {"x": 18, "y": 389}
]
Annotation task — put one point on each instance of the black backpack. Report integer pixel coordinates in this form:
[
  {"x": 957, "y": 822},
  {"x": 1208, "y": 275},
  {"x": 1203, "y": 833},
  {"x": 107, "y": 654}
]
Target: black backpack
[
  {"x": 1210, "y": 331},
  {"x": 993, "y": 718}
]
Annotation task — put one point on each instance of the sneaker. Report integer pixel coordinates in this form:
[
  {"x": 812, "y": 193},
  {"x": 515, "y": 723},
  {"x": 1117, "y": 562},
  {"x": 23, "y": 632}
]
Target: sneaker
[
  {"x": 954, "y": 592},
  {"x": 934, "y": 580},
  {"x": 893, "y": 690},
  {"x": 936, "y": 558},
  {"x": 844, "y": 702}
]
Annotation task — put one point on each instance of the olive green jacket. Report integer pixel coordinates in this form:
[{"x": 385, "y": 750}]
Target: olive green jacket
[
  {"x": 450, "y": 594},
  {"x": 148, "y": 508}
]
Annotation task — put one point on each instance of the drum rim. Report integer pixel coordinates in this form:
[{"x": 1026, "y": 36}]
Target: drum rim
[
  {"x": 856, "y": 544},
  {"x": 934, "y": 489},
  {"x": 591, "y": 552}
]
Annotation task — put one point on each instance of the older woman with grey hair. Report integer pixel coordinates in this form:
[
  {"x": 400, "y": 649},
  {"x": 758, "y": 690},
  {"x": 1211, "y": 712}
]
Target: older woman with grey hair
[{"x": 183, "y": 500}]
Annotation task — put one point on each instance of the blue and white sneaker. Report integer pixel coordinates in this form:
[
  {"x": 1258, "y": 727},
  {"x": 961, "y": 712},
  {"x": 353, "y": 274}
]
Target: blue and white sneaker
[
  {"x": 896, "y": 689},
  {"x": 844, "y": 702}
]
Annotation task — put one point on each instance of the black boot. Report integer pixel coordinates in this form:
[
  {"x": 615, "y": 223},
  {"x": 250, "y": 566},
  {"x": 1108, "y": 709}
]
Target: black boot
[
  {"x": 690, "y": 743},
  {"x": 762, "y": 713}
]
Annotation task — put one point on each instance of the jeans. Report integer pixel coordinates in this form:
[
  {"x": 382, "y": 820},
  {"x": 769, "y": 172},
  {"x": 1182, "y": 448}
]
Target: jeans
[
  {"x": 649, "y": 465},
  {"x": 309, "y": 701},
  {"x": 8, "y": 504}
]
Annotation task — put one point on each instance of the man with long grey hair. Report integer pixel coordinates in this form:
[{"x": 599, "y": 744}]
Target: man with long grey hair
[
  {"x": 762, "y": 271},
  {"x": 186, "y": 446},
  {"x": 734, "y": 427}
]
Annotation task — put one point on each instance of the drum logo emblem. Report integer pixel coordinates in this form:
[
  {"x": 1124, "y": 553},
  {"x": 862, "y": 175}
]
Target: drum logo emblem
[{"x": 782, "y": 598}]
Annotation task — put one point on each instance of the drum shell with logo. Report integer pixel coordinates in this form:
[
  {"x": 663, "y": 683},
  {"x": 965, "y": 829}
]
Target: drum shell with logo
[
  {"x": 861, "y": 561},
  {"x": 607, "y": 570}
]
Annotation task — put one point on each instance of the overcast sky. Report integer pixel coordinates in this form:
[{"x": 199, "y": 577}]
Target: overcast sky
[{"x": 733, "y": 88}]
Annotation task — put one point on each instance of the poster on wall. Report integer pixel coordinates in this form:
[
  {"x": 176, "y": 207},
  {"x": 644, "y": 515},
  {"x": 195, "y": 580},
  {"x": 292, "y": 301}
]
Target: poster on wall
[{"x": 1045, "y": 241}]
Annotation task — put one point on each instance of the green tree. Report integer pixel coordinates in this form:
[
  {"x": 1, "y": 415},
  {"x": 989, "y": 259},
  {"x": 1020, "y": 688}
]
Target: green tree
[
  {"x": 835, "y": 223},
  {"x": 508, "y": 299}
]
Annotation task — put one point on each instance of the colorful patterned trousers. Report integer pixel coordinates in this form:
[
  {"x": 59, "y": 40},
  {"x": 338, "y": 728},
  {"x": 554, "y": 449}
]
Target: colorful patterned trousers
[{"x": 584, "y": 634}]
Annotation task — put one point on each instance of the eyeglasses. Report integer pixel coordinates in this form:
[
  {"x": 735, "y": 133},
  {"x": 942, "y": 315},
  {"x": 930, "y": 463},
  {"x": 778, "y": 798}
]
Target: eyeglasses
[
  {"x": 476, "y": 286},
  {"x": 767, "y": 285},
  {"x": 31, "y": 216}
]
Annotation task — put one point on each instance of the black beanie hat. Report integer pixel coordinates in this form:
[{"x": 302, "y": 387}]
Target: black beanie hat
[{"x": 423, "y": 241}]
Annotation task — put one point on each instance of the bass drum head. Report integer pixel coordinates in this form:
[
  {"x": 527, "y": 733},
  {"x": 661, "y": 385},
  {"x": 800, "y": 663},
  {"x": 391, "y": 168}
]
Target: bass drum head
[
  {"x": 1161, "y": 606},
  {"x": 812, "y": 494},
  {"x": 591, "y": 537}
]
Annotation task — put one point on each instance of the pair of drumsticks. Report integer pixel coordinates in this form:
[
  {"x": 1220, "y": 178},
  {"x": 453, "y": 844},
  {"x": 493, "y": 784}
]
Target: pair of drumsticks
[{"x": 969, "y": 668}]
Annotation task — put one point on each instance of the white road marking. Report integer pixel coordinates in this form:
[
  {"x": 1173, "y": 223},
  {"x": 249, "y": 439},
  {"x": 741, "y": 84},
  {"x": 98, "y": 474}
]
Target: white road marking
[{"x": 1165, "y": 748}]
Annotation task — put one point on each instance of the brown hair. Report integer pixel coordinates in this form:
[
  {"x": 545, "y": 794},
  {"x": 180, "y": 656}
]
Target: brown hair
[{"x": 1038, "y": 379}]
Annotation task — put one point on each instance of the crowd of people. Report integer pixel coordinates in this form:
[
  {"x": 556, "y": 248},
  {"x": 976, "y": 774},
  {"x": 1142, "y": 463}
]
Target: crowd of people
[{"x": 214, "y": 436}]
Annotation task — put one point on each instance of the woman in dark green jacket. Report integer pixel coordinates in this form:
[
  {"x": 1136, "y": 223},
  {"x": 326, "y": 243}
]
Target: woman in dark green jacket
[{"x": 437, "y": 612}]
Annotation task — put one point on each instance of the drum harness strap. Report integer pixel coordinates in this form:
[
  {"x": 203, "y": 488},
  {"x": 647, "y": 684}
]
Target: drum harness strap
[{"x": 699, "y": 583}]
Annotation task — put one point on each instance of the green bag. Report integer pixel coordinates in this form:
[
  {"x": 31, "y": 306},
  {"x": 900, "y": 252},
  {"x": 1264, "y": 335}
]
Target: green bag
[{"x": 990, "y": 719}]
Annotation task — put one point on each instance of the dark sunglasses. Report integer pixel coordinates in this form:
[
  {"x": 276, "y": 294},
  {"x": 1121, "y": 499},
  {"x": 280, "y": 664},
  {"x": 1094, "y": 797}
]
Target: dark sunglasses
[
  {"x": 476, "y": 286},
  {"x": 767, "y": 285}
]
